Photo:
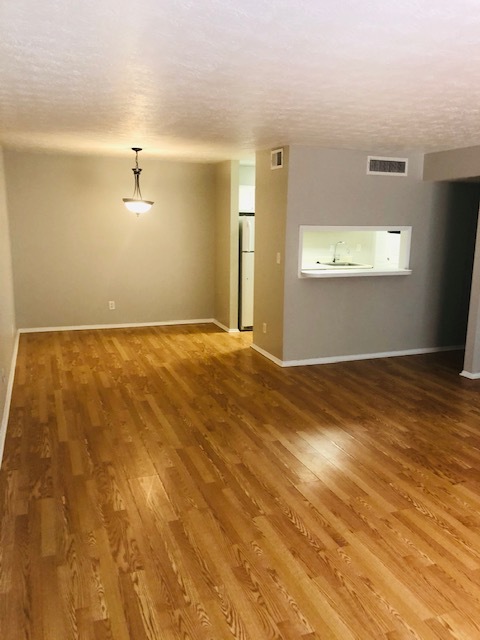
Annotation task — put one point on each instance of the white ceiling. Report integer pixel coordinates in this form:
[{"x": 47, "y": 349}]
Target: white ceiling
[{"x": 216, "y": 79}]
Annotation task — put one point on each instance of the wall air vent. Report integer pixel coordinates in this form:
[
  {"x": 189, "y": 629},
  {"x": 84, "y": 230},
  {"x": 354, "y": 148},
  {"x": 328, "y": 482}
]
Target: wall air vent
[
  {"x": 386, "y": 166},
  {"x": 276, "y": 161}
]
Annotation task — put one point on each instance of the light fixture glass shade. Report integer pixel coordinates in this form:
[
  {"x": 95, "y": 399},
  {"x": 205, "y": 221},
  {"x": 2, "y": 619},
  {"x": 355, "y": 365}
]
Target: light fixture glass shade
[
  {"x": 137, "y": 206},
  {"x": 136, "y": 203}
]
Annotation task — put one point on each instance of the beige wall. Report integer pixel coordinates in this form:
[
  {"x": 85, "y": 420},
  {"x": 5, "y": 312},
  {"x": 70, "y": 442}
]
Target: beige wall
[
  {"x": 7, "y": 315},
  {"x": 455, "y": 164},
  {"x": 247, "y": 174},
  {"x": 270, "y": 230},
  {"x": 354, "y": 316},
  {"x": 75, "y": 246},
  {"x": 226, "y": 244}
]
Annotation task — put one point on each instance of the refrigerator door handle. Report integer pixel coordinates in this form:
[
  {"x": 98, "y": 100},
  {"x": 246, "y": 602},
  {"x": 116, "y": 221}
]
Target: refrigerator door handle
[{"x": 248, "y": 234}]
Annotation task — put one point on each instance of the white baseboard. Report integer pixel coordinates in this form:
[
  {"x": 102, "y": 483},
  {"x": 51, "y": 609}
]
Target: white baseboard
[
  {"x": 126, "y": 325},
  {"x": 8, "y": 397},
  {"x": 225, "y": 328},
  {"x": 268, "y": 355},
  {"x": 470, "y": 376},
  {"x": 352, "y": 358}
]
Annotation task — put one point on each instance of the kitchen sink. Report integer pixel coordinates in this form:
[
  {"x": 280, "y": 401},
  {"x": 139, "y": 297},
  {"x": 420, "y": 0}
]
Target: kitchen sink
[{"x": 346, "y": 265}]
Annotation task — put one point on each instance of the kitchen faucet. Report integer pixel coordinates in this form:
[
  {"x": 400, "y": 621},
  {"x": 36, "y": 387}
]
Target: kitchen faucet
[{"x": 335, "y": 259}]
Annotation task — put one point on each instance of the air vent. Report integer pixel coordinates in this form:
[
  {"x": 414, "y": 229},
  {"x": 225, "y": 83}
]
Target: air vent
[
  {"x": 276, "y": 159},
  {"x": 386, "y": 166}
]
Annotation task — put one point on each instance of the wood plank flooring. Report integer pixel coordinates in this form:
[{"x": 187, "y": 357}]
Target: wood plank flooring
[{"x": 170, "y": 483}]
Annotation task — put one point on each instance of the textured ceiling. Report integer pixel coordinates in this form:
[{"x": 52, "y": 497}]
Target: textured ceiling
[{"x": 216, "y": 79}]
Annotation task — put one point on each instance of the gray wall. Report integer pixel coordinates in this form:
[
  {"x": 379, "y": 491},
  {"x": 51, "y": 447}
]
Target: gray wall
[
  {"x": 472, "y": 349},
  {"x": 75, "y": 246},
  {"x": 355, "y": 316},
  {"x": 7, "y": 315},
  {"x": 463, "y": 164},
  {"x": 226, "y": 244}
]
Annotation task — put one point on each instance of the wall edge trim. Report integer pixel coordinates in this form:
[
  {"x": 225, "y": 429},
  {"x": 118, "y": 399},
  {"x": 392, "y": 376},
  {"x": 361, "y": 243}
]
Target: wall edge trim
[
  {"x": 125, "y": 325},
  {"x": 357, "y": 356},
  {"x": 8, "y": 397},
  {"x": 469, "y": 375},
  {"x": 224, "y": 327},
  {"x": 268, "y": 355}
]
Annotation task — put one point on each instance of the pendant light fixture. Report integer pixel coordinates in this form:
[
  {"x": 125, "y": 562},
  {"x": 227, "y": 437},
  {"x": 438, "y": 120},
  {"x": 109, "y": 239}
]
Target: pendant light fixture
[{"x": 136, "y": 203}]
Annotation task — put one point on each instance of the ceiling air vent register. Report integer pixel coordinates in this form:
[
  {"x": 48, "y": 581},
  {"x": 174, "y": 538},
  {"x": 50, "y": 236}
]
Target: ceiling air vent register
[
  {"x": 386, "y": 166},
  {"x": 276, "y": 161}
]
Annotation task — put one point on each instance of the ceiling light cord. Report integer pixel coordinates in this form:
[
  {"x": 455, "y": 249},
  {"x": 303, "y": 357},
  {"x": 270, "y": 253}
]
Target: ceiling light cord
[{"x": 137, "y": 194}]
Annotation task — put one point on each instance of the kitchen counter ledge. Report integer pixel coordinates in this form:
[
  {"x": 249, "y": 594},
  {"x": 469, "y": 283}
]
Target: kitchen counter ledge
[{"x": 351, "y": 273}]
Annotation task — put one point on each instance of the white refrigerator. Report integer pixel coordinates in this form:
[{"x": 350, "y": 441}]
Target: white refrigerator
[{"x": 247, "y": 248}]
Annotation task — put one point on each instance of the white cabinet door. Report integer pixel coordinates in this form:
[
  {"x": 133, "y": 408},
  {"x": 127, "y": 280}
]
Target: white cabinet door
[{"x": 246, "y": 199}]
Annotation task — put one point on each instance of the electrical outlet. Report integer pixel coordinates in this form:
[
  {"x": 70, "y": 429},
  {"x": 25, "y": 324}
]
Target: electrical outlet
[
  {"x": 278, "y": 257},
  {"x": 359, "y": 247},
  {"x": 111, "y": 304},
  {"x": 264, "y": 327}
]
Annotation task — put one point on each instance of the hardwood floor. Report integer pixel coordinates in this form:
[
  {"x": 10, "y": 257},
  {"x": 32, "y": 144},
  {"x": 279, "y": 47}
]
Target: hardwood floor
[{"x": 171, "y": 483}]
